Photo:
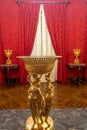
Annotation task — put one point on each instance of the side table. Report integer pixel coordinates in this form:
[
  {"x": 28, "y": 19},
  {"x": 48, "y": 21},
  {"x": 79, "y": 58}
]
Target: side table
[
  {"x": 80, "y": 69},
  {"x": 8, "y": 71}
]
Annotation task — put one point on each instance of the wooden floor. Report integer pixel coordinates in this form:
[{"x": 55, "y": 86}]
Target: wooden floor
[{"x": 65, "y": 96}]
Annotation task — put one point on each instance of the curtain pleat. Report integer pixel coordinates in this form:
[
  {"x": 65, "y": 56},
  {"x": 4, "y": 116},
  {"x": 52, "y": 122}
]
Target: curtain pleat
[
  {"x": 28, "y": 19},
  {"x": 56, "y": 22}
]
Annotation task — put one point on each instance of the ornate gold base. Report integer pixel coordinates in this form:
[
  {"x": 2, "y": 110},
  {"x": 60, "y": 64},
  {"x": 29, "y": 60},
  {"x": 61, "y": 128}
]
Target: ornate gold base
[
  {"x": 43, "y": 126},
  {"x": 8, "y": 62},
  {"x": 76, "y": 61}
]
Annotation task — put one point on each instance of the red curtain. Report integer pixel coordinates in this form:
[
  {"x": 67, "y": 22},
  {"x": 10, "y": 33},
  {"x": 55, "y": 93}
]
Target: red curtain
[
  {"x": 28, "y": 19},
  {"x": 56, "y": 22},
  {"x": 8, "y": 32},
  {"x": 1, "y": 54},
  {"x": 85, "y": 39},
  {"x": 77, "y": 32}
]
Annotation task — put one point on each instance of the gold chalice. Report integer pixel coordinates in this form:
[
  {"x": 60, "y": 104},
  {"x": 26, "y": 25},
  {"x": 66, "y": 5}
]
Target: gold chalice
[
  {"x": 39, "y": 101},
  {"x": 76, "y": 53},
  {"x": 8, "y": 54}
]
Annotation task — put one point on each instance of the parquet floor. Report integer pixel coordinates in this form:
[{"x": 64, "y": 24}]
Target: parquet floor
[{"x": 65, "y": 96}]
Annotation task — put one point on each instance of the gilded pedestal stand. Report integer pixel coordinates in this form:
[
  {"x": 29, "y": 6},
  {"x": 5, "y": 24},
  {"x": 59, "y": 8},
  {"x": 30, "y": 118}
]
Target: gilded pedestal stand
[{"x": 39, "y": 101}]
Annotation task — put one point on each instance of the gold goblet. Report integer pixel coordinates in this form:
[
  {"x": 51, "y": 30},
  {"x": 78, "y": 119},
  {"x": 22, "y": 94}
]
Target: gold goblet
[
  {"x": 76, "y": 53},
  {"x": 39, "y": 101},
  {"x": 8, "y": 54}
]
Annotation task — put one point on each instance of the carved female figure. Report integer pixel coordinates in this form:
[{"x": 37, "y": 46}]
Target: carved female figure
[{"x": 36, "y": 99}]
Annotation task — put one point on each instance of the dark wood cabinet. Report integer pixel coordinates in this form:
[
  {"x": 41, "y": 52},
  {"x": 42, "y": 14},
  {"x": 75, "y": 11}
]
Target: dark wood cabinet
[
  {"x": 76, "y": 72},
  {"x": 10, "y": 73}
]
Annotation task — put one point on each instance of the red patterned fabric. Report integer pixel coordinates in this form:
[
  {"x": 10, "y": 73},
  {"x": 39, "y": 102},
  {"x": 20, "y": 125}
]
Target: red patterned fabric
[
  {"x": 85, "y": 39},
  {"x": 1, "y": 54},
  {"x": 56, "y": 22},
  {"x": 43, "y": 0},
  {"x": 28, "y": 19},
  {"x": 10, "y": 38},
  {"x": 8, "y": 31},
  {"x": 76, "y": 26},
  {"x": 75, "y": 34}
]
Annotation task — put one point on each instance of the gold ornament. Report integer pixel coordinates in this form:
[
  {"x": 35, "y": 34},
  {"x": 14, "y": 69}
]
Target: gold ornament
[
  {"x": 8, "y": 54},
  {"x": 39, "y": 101},
  {"x": 76, "y": 53}
]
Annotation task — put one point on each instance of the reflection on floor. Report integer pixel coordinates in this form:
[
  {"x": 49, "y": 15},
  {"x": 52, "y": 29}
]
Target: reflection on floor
[{"x": 65, "y": 96}]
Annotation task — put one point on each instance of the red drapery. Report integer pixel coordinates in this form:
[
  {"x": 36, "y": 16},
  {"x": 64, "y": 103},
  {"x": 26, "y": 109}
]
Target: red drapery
[
  {"x": 76, "y": 32},
  {"x": 77, "y": 37},
  {"x": 1, "y": 54},
  {"x": 56, "y": 22},
  {"x": 28, "y": 19},
  {"x": 85, "y": 39},
  {"x": 8, "y": 32}
]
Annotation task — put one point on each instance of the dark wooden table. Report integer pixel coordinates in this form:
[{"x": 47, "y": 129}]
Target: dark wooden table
[
  {"x": 8, "y": 71},
  {"x": 80, "y": 68}
]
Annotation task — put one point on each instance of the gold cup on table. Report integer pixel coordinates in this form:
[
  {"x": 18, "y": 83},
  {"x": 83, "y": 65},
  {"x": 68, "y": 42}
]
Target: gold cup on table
[
  {"x": 8, "y": 54},
  {"x": 76, "y": 54}
]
